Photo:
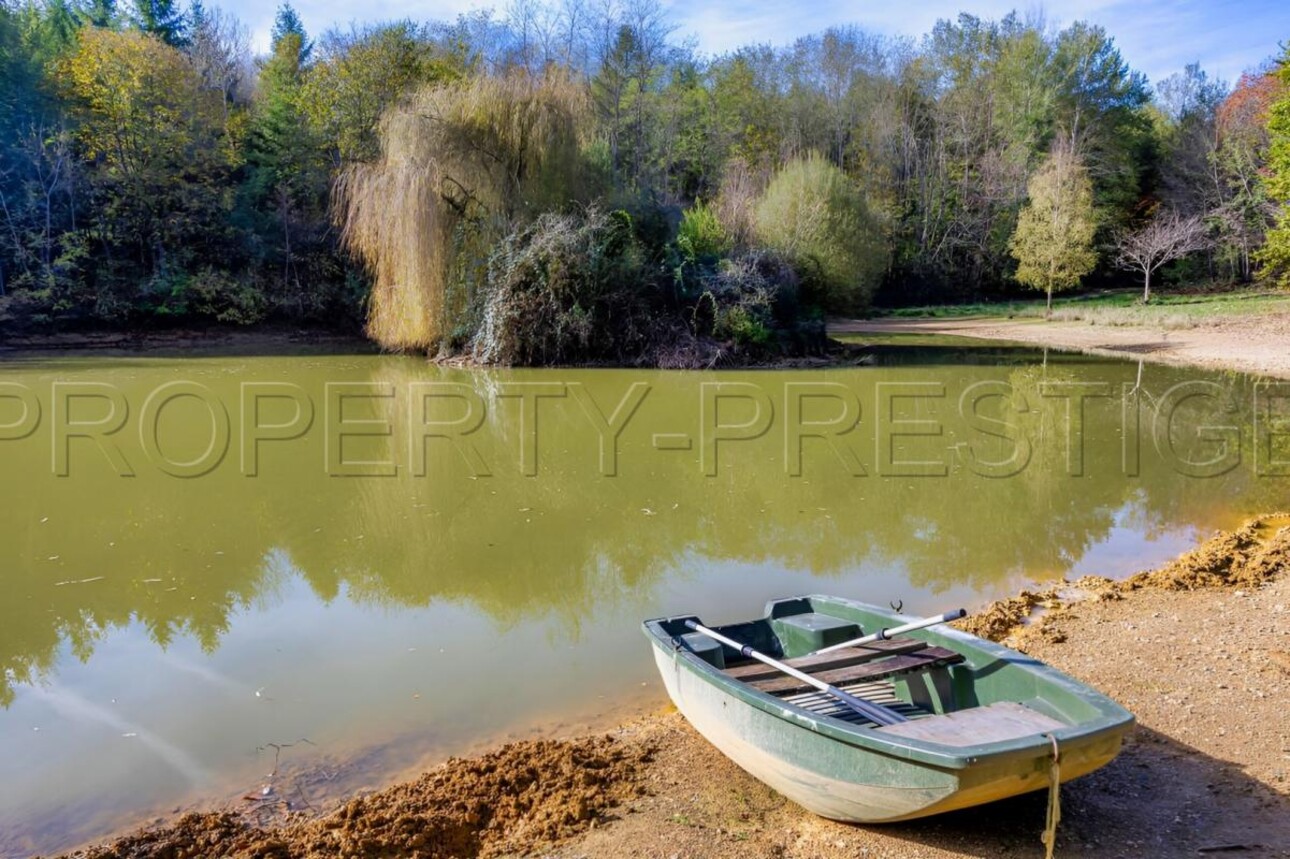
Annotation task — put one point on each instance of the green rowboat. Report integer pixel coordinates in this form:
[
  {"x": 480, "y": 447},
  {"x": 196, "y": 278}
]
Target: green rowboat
[{"x": 962, "y": 721}]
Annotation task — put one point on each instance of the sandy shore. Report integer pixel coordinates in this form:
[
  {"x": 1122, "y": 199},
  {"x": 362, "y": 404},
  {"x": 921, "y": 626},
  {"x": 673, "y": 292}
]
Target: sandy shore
[
  {"x": 1199, "y": 650},
  {"x": 1254, "y": 344}
]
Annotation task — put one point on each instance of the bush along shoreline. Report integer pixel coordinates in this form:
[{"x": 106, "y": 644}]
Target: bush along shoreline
[
  {"x": 493, "y": 235},
  {"x": 597, "y": 286}
]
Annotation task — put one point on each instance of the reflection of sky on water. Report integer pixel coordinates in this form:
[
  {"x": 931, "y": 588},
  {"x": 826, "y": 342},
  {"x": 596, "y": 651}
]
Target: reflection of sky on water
[
  {"x": 1131, "y": 544},
  {"x": 133, "y": 728}
]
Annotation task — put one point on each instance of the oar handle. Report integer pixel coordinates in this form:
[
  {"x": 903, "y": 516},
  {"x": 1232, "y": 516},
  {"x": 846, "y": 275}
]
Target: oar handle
[{"x": 884, "y": 634}]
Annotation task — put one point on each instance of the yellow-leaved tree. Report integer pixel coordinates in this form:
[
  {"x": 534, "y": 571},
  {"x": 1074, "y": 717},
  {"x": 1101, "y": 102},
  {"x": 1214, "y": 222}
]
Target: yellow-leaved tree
[
  {"x": 1053, "y": 241},
  {"x": 151, "y": 133}
]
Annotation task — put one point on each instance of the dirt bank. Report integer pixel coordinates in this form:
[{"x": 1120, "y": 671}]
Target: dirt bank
[
  {"x": 1199, "y": 650},
  {"x": 258, "y": 340},
  {"x": 1253, "y": 344},
  {"x": 506, "y": 801}
]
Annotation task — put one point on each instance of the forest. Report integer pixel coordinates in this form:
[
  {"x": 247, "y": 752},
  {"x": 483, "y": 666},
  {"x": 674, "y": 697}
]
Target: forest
[{"x": 575, "y": 181}]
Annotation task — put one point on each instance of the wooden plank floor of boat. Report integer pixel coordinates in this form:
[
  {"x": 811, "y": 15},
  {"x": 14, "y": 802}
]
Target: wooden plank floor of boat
[{"x": 878, "y": 692}]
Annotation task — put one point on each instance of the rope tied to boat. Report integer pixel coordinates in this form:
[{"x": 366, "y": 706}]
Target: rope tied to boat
[{"x": 1054, "y": 800}]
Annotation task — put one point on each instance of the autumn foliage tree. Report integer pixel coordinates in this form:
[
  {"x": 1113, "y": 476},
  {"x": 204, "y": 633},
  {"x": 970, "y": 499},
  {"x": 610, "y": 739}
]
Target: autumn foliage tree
[
  {"x": 362, "y": 73},
  {"x": 1243, "y": 211},
  {"x": 150, "y": 132}
]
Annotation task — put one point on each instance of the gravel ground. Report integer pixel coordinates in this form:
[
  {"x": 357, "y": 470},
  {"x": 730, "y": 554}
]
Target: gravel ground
[{"x": 1254, "y": 344}]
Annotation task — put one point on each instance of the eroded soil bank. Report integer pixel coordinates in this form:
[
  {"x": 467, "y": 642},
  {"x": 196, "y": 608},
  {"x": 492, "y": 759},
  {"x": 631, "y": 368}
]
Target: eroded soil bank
[
  {"x": 217, "y": 340},
  {"x": 1199, "y": 650},
  {"x": 1255, "y": 344}
]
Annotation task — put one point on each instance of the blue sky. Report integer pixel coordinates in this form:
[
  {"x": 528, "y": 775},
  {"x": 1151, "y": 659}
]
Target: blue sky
[{"x": 1156, "y": 36}]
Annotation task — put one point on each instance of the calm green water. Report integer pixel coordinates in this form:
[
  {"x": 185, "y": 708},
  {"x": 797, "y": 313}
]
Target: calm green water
[{"x": 395, "y": 598}]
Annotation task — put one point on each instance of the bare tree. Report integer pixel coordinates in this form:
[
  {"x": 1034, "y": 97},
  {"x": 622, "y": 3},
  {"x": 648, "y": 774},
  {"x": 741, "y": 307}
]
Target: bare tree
[
  {"x": 220, "y": 51},
  {"x": 1168, "y": 237}
]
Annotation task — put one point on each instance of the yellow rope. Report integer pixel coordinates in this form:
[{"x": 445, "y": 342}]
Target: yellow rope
[{"x": 1054, "y": 801}]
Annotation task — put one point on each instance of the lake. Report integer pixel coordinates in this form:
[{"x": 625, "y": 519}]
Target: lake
[{"x": 344, "y": 567}]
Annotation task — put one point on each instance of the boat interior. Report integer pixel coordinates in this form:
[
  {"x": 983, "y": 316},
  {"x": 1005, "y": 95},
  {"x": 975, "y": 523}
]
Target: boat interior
[{"x": 931, "y": 688}]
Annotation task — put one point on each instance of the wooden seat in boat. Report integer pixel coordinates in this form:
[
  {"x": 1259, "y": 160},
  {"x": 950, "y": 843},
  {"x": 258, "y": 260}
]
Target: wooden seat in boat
[
  {"x": 842, "y": 668},
  {"x": 753, "y": 671}
]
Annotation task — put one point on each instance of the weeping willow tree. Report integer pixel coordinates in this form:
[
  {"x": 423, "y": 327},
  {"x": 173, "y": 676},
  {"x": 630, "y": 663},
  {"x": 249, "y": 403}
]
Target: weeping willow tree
[{"x": 479, "y": 157}]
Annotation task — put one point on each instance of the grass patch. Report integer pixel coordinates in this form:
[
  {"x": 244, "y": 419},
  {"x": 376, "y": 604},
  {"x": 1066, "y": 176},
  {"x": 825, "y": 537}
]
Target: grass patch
[
  {"x": 957, "y": 311},
  {"x": 1118, "y": 308}
]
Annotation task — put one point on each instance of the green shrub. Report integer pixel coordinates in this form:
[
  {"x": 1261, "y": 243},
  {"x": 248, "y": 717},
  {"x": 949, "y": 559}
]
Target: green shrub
[
  {"x": 224, "y": 298},
  {"x": 814, "y": 215},
  {"x": 743, "y": 325},
  {"x": 751, "y": 296},
  {"x": 701, "y": 235}
]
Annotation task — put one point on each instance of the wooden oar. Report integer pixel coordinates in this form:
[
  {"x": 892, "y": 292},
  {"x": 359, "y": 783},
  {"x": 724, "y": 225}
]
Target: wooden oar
[
  {"x": 884, "y": 634},
  {"x": 871, "y": 711}
]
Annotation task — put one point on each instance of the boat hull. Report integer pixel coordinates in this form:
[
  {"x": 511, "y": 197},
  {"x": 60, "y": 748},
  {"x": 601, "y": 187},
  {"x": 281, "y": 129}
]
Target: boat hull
[{"x": 840, "y": 781}]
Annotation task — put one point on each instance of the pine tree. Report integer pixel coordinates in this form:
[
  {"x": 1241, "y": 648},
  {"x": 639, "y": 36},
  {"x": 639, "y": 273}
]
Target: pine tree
[
  {"x": 611, "y": 91},
  {"x": 288, "y": 23},
  {"x": 161, "y": 18},
  {"x": 98, "y": 13},
  {"x": 278, "y": 119},
  {"x": 286, "y": 180}
]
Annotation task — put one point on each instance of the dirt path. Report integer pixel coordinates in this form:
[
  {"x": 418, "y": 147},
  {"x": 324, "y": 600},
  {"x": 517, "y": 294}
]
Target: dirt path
[
  {"x": 1255, "y": 344},
  {"x": 1199, "y": 650}
]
